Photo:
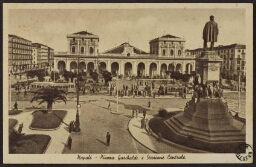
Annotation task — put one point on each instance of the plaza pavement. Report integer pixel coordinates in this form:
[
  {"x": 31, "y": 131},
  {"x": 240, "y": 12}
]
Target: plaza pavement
[{"x": 96, "y": 120}]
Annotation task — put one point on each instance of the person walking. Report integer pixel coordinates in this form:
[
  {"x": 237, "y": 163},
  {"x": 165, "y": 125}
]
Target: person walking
[
  {"x": 108, "y": 136},
  {"x": 149, "y": 103},
  {"x": 109, "y": 106},
  {"x": 15, "y": 106},
  {"x": 136, "y": 114},
  {"x": 144, "y": 113},
  {"x": 69, "y": 142}
]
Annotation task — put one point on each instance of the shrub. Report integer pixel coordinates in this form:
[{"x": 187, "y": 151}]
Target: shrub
[{"x": 162, "y": 112}]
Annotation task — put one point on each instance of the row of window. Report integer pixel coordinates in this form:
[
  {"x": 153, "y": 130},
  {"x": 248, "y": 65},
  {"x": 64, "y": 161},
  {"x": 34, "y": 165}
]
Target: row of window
[
  {"x": 21, "y": 62},
  {"x": 21, "y": 51},
  {"x": 19, "y": 57},
  {"x": 20, "y": 46},
  {"x": 171, "y": 52},
  {"x": 21, "y": 41},
  {"x": 92, "y": 40},
  {"x": 82, "y": 50}
]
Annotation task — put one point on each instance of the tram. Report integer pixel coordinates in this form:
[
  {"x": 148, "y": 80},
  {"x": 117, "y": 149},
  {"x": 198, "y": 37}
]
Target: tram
[{"x": 66, "y": 86}]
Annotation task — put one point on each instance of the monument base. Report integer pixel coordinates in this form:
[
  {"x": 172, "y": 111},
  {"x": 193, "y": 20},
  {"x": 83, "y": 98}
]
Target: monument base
[{"x": 207, "y": 125}]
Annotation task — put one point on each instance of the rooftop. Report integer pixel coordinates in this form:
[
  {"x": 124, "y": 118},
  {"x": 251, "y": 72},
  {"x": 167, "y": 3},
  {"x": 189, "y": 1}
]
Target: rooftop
[{"x": 120, "y": 49}]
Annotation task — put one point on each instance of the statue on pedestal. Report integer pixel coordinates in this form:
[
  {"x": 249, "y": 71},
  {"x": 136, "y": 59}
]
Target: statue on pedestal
[{"x": 210, "y": 33}]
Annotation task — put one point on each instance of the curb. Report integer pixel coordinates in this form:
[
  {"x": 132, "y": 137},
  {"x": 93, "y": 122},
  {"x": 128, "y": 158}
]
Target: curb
[
  {"x": 154, "y": 151},
  {"x": 167, "y": 142}
]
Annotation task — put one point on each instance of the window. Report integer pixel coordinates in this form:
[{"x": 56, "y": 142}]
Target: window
[
  {"x": 238, "y": 62},
  {"x": 238, "y": 56},
  {"x": 171, "y": 52},
  {"x": 238, "y": 68},
  {"x": 82, "y": 49},
  {"x": 179, "y": 52},
  {"x": 239, "y": 50},
  {"x": 74, "y": 39},
  {"x": 91, "y": 50},
  {"x": 163, "y": 52},
  {"x": 73, "y": 49}
]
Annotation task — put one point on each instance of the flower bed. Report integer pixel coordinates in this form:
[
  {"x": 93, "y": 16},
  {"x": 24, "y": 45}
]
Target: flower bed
[
  {"x": 12, "y": 123},
  {"x": 47, "y": 121},
  {"x": 30, "y": 144}
]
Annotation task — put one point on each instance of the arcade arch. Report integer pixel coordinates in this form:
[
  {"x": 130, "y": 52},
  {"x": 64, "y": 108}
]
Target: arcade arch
[
  {"x": 128, "y": 69},
  {"x": 153, "y": 69},
  {"x": 141, "y": 69},
  {"x": 115, "y": 68}
]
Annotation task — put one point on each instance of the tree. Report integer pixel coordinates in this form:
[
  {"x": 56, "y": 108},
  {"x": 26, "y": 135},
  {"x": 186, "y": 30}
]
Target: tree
[
  {"x": 107, "y": 76},
  {"x": 39, "y": 73},
  {"x": 50, "y": 96},
  {"x": 94, "y": 75}
]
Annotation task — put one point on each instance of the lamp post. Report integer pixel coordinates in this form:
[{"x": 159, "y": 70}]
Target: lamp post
[{"x": 77, "y": 122}]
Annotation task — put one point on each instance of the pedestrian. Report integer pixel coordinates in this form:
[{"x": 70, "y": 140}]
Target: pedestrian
[
  {"x": 185, "y": 92},
  {"x": 136, "y": 114},
  {"x": 25, "y": 92},
  {"x": 144, "y": 113},
  {"x": 149, "y": 103},
  {"x": 69, "y": 142},
  {"x": 15, "y": 106},
  {"x": 108, "y": 136},
  {"x": 142, "y": 125},
  {"x": 109, "y": 106},
  {"x": 71, "y": 126}
]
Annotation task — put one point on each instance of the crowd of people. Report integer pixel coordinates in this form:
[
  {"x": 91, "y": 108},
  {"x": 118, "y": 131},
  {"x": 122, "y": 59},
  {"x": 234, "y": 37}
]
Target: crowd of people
[{"x": 210, "y": 90}]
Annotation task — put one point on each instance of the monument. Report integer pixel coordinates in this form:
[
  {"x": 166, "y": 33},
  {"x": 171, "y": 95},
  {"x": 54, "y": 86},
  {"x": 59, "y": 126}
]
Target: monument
[{"x": 206, "y": 122}]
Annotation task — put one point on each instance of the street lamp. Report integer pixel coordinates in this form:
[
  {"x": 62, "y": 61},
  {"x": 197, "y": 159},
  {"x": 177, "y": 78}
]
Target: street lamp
[{"x": 77, "y": 122}]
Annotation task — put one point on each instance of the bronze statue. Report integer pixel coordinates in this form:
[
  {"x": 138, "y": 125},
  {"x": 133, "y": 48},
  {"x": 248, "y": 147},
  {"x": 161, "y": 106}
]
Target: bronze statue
[{"x": 210, "y": 33}]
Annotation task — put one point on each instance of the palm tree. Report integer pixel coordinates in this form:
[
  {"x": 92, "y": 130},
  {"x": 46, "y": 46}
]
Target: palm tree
[{"x": 50, "y": 96}]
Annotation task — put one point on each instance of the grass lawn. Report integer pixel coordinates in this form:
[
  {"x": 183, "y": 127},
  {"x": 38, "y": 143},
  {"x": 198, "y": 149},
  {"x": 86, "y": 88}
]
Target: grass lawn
[
  {"x": 14, "y": 112},
  {"x": 30, "y": 144},
  {"x": 157, "y": 125},
  {"x": 12, "y": 123},
  {"x": 47, "y": 121}
]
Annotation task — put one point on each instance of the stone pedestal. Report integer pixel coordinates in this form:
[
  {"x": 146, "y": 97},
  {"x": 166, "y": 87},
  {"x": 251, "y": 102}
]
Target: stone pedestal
[
  {"x": 208, "y": 67},
  {"x": 207, "y": 125}
]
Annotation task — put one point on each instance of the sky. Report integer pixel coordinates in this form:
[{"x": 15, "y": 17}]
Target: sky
[{"x": 136, "y": 26}]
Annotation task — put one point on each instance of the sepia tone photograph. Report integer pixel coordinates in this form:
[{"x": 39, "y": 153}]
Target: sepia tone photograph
[{"x": 128, "y": 83}]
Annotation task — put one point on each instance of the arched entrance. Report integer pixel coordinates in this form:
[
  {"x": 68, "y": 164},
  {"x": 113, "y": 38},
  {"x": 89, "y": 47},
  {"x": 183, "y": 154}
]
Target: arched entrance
[
  {"x": 90, "y": 66},
  {"x": 73, "y": 65},
  {"x": 61, "y": 66},
  {"x": 153, "y": 69},
  {"x": 188, "y": 68},
  {"x": 102, "y": 66},
  {"x": 141, "y": 69},
  {"x": 114, "y": 68},
  {"x": 163, "y": 69},
  {"x": 171, "y": 67},
  {"x": 178, "y": 68},
  {"x": 128, "y": 69},
  {"x": 82, "y": 66}
]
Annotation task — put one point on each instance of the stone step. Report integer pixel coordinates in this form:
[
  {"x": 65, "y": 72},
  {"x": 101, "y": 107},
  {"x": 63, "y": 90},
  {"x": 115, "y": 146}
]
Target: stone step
[{"x": 177, "y": 127}]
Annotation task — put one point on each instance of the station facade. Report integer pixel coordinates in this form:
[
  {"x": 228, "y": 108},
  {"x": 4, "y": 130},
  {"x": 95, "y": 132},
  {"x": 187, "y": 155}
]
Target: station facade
[{"x": 167, "y": 53}]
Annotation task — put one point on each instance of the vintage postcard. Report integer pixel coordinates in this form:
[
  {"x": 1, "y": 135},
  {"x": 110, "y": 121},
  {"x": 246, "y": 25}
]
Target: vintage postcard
[{"x": 127, "y": 83}]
